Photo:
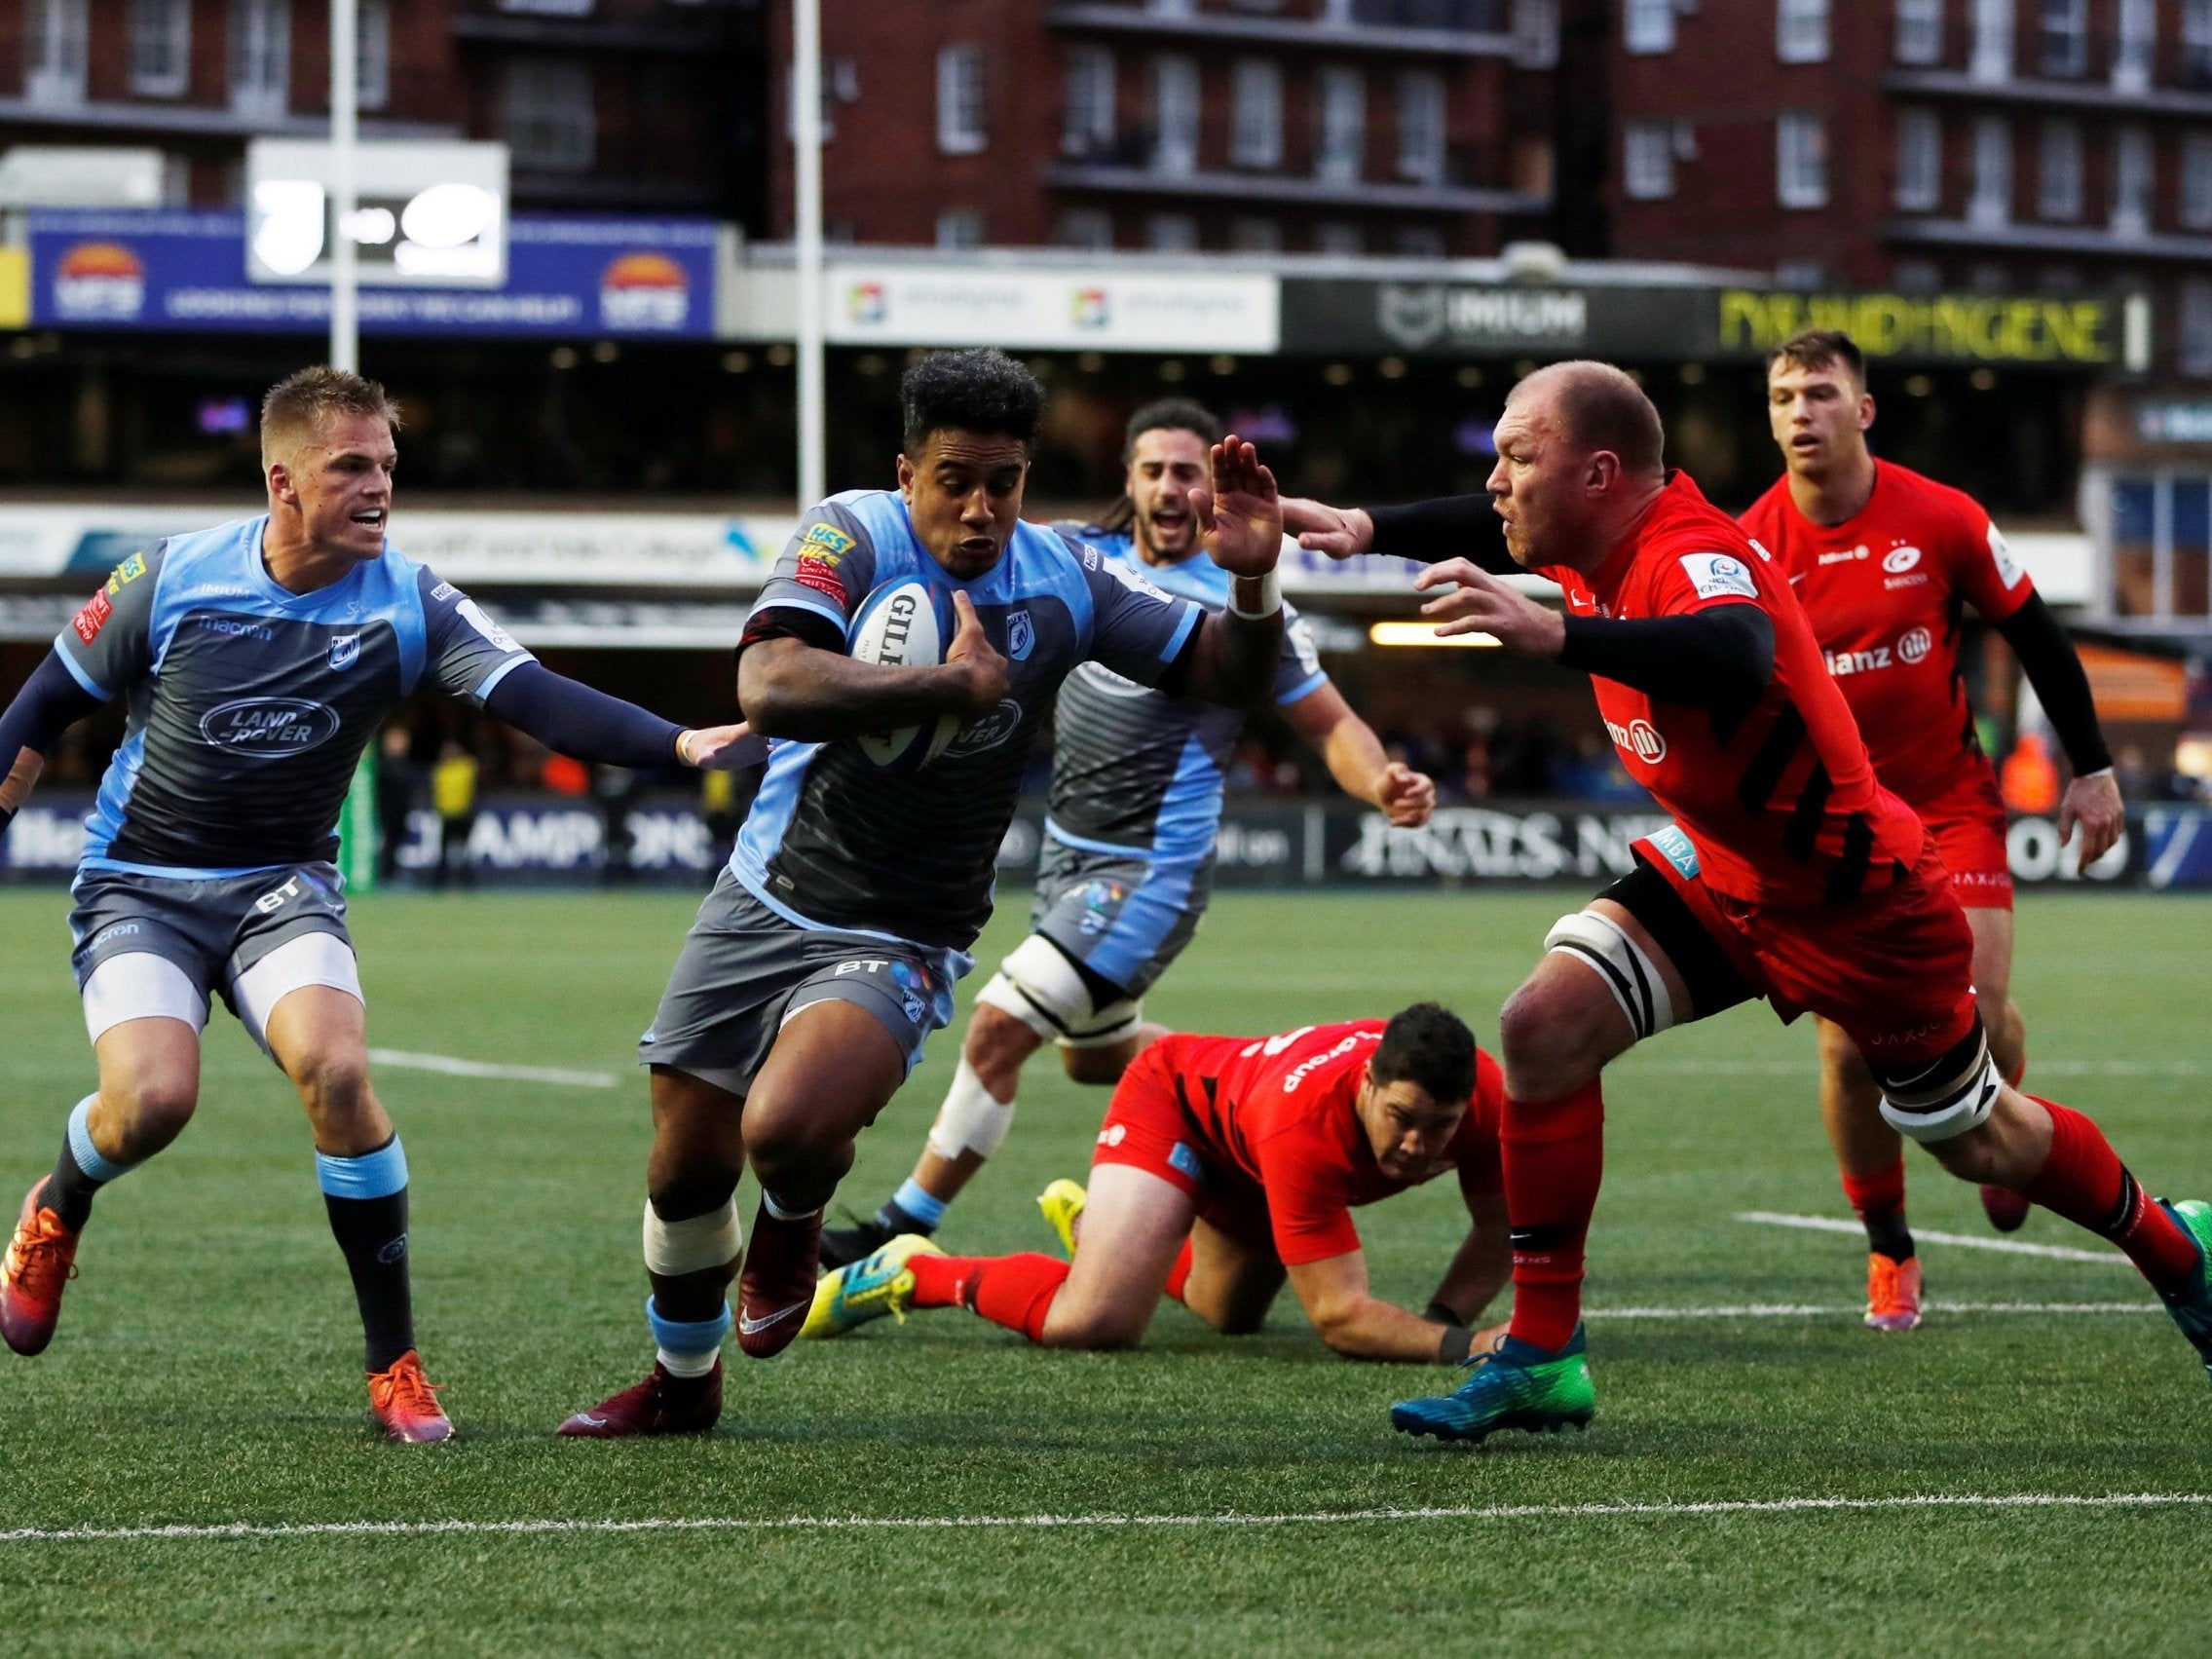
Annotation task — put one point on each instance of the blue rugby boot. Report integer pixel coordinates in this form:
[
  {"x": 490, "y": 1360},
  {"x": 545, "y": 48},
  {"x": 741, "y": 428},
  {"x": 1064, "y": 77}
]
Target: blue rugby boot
[
  {"x": 1519, "y": 1387},
  {"x": 2191, "y": 1303}
]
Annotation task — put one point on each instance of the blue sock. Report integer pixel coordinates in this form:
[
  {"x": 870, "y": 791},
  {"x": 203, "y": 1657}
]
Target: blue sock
[
  {"x": 687, "y": 1347},
  {"x": 914, "y": 1203},
  {"x": 80, "y": 1171},
  {"x": 366, "y": 1198}
]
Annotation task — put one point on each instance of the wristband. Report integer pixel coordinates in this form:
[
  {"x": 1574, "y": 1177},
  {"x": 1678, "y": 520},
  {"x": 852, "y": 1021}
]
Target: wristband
[
  {"x": 1270, "y": 597},
  {"x": 1458, "y": 1342}
]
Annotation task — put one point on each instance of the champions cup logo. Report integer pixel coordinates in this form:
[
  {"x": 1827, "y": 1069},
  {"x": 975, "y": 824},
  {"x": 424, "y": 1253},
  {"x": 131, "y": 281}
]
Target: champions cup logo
[
  {"x": 99, "y": 281},
  {"x": 644, "y": 290}
]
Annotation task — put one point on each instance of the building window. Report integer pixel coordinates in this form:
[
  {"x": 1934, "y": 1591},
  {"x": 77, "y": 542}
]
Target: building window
[
  {"x": 960, "y": 227},
  {"x": 1991, "y": 203},
  {"x": 1801, "y": 31},
  {"x": 1174, "y": 114},
  {"x": 1536, "y": 34},
  {"x": 1801, "y": 160},
  {"x": 1335, "y": 236},
  {"x": 1420, "y": 126},
  {"x": 2196, "y": 181},
  {"x": 2063, "y": 46},
  {"x": 2196, "y": 44},
  {"x": 1250, "y": 235},
  {"x": 1089, "y": 129},
  {"x": 1340, "y": 156},
  {"x": 2196, "y": 328},
  {"x": 1417, "y": 241},
  {"x": 2131, "y": 182},
  {"x": 372, "y": 54},
  {"x": 1992, "y": 40},
  {"x": 1648, "y": 170},
  {"x": 261, "y": 58},
  {"x": 1256, "y": 127},
  {"x": 1650, "y": 25},
  {"x": 160, "y": 48},
  {"x": 547, "y": 114},
  {"x": 2058, "y": 182},
  {"x": 1172, "y": 233},
  {"x": 1919, "y": 31},
  {"x": 960, "y": 99},
  {"x": 53, "y": 51},
  {"x": 1920, "y": 160},
  {"x": 2135, "y": 44},
  {"x": 1087, "y": 228}
]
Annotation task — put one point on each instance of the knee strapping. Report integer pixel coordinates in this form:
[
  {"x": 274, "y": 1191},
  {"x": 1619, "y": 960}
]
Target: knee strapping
[
  {"x": 1944, "y": 1099},
  {"x": 1039, "y": 986},
  {"x": 712, "y": 1240},
  {"x": 1626, "y": 967},
  {"x": 972, "y": 1119}
]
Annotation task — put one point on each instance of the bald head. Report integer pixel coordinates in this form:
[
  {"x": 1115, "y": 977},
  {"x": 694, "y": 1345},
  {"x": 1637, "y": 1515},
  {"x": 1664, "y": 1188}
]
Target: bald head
[{"x": 1594, "y": 406}]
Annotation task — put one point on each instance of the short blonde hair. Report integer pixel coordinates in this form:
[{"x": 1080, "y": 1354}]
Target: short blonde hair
[{"x": 296, "y": 408}]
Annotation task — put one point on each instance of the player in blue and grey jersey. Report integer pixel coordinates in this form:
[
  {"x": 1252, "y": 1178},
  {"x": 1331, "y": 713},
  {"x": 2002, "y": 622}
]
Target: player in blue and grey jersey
[
  {"x": 828, "y": 950},
  {"x": 1128, "y": 863},
  {"x": 257, "y": 659}
]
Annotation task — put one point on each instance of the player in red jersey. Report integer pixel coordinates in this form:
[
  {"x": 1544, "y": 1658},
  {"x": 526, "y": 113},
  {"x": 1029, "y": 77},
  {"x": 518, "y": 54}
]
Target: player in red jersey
[
  {"x": 1789, "y": 874},
  {"x": 1882, "y": 560},
  {"x": 1226, "y": 1163}
]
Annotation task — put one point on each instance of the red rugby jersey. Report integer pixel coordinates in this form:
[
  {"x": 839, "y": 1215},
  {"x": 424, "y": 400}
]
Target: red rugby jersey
[
  {"x": 1781, "y": 804},
  {"x": 1883, "y": 590},
  {"x": 1279, "y": 1109}
]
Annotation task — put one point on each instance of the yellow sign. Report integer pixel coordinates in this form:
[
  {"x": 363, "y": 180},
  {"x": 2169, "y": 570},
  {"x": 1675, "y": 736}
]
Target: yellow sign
[
  {"x": 1959, "y": 326},
  {"x": 15, "y": 289}
]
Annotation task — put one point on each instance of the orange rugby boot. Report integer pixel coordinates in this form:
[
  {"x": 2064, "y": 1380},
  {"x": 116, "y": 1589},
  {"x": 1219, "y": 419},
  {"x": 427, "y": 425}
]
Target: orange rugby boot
[
  {"x": 40, "y": 1262},
  {"x": 405, "y": 1403},
  {"x": 1892, "y": 1294}
]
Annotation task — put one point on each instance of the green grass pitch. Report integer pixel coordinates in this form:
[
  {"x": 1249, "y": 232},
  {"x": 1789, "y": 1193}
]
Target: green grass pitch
[{"x": 206, "y": 1372}]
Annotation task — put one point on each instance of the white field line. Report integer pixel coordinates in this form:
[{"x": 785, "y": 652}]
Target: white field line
[
  {"x": 456, "y": 1068},
  {"x": 1810, "y": 1068},
  {"x": 1964, "y": 1240},
  {"x": 248, "y": 1530},
  {"x": 1811, "y": 1311}
]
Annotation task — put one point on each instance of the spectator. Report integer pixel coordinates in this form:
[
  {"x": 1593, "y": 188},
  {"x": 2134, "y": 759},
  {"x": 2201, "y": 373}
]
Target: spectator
[
  {"x": 397, "y": 783},
  {"x": 452, "y": 795}
]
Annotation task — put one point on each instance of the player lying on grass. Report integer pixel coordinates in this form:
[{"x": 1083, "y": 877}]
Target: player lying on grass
[
  {"x": 1225, "y": 1163},
  {"x": 828, "y": 950},
  {"x": 258, "y": 659},
  {"x": 1789, "y": 874},
  {"x": 1882, "y": 560},
  {"x": 1129, "y": 831}
]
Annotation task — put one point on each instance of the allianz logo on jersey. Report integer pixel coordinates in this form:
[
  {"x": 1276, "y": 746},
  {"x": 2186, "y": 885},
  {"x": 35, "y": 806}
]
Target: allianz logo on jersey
[
  {"x": 1639, "y": 737},
  {"x": 1913, "y": 646},
  {"x": 269, "y": 726}
]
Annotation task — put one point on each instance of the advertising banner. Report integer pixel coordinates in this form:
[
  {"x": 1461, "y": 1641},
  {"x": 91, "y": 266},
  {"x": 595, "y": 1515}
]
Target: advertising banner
[
  {"x": 186, "y": 273},
  {"x": 942, "y": 305}
]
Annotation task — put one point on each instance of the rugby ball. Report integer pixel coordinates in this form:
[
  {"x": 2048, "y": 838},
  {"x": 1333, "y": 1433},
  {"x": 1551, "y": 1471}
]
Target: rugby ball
[{"x": 905, "y": 624}]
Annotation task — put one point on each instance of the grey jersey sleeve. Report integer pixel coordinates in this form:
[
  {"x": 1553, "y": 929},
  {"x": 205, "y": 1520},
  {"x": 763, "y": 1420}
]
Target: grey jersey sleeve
[
  {"x": 1299, "y": 673},
  {"x": 1135, "y": 629},
  {"x": 108, "y": 646},
  {"x": 826, "y": 568},
  {"x": 465, "y": 652}
]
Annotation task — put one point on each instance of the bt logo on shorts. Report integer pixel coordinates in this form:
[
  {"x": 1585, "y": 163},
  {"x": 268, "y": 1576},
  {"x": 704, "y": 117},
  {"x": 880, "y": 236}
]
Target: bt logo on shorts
[
  {"x": 1640, "y": 738},
  {"x": 865, "y": 965},
  {"x": 275, "y": 898}
]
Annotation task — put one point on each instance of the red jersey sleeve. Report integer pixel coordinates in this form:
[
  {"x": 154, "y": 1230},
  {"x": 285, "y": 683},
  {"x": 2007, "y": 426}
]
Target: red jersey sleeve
[
  {"x": 1309, "y": 1196},
  {"x": 1982, "y": 567},
  {"x": 1475, "y": 1147},
  {"x": 1685, "y": 582}
]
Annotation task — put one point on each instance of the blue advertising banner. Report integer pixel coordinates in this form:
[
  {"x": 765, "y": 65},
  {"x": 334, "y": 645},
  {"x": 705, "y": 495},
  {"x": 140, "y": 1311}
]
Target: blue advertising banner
[{"x": 185, "y": 273}]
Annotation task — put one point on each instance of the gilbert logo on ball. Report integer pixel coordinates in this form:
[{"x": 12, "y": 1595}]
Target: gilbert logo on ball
[{"x": 905, "y": 624}]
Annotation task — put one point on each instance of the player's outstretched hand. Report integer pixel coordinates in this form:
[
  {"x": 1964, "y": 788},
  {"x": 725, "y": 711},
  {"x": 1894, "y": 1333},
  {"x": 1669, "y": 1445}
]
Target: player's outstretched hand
[
  {"x": 1241, "y": 516},
  {"x": 972, "y": 655},
  {"x": 1481, "y": 603},
  {"x": 2093, "y": 803},
  {"x": 1341, "y": 532},
  {"x": 1407, "y": 797},
  {"x": 721, "y": 748}
]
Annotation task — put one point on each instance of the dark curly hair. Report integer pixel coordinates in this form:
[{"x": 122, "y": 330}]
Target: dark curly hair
[
  {"x": 980, "y": 390},
  {"x": 1430, "y": 1045}
]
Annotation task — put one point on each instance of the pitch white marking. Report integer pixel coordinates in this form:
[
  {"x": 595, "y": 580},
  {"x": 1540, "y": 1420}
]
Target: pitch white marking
[
  {"x": 1964, "y": 1240},
  {"x": 247, "y": 1530},
  {"x": 1809, "y": 1068},
  {"x": 455, "y": 1067},
  {"x": 1809, "y": 1310}
]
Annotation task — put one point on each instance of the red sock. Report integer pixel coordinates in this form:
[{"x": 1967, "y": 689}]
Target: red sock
[
  {"x": 1179, "y": 1274},
  {"x": 2084, "y": 1181},
  {"x": 1555, "y": 1156},
  {"x": 1013, "y": 1291},
  {"x": 1879, "y": 1193}
]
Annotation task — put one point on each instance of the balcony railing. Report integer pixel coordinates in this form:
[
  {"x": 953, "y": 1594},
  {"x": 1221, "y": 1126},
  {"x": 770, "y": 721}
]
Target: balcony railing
[
  {"x": 2094, "y": 69},
  {"x": 1130, "y": 160},
  {"x": 1461, "y": 28}
]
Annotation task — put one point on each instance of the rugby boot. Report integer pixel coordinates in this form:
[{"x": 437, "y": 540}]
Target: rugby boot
[
  {"x": 777, "y": 1286},
  {"x": 843, "y": 1246},
  {"x": 867, "y": 1289},
  {"x": 1893, "y": 1293},
  {"x": 40, "y": 1262},
  {"x": 2191, "y": 1302},
  {"x": 405, "y": 1403},
  {"x": 663, "y": 1404},
  {"x": 2006, "y": 1210},
  {"x": 1517, "y": 1386},
  {"x": 1063, "y": 1205}
]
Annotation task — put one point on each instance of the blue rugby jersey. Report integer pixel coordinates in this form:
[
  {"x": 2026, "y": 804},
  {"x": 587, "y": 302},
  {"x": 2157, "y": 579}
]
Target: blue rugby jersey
[
  {"x": 248, "y": 705},
  {"x": 834, "y": 840}
]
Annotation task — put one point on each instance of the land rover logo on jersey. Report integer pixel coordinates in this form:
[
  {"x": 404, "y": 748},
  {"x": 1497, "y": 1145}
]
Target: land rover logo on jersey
[
  {"x": 1900, "y": 559},
  {"x": 344, "y": 650},
  {"x": 1021, "y": 635},
  {"x": 1640, "y": 738},
  {"x": 1914, "y": 644},
  {"x": 269, "y": 726},
  {"x": 988, "y": 733}
]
